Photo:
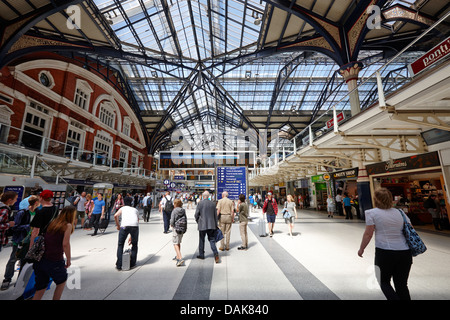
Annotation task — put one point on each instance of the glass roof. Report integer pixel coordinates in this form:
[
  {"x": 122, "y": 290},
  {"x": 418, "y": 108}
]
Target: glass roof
[{"x": 211, "y": 72}]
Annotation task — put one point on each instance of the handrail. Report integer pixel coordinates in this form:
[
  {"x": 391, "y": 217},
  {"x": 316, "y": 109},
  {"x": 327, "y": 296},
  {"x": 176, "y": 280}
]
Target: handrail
[{"x": 54, "y": 147}]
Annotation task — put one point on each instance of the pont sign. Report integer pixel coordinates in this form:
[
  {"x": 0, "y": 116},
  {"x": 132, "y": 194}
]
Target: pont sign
[
  {"x": 431, "y": 57},
  {"x": 340, "y": 117}
]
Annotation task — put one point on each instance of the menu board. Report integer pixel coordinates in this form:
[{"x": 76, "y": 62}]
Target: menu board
[{"x": 233, "y": 180}]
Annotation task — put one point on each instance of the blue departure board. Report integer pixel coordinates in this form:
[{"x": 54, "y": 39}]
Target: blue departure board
[{"x": 233, "y": 180}]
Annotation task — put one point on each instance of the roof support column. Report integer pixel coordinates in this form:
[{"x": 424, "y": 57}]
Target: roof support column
[{"x": 350, "y": 72}]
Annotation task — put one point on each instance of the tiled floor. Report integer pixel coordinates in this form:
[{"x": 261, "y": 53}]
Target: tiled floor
[{"x": 319, "y": 262}]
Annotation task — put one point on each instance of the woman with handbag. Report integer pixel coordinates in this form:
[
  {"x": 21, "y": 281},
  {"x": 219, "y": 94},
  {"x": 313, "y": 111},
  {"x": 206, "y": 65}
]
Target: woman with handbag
[
  {"x": 57, "y": 244},
  {"x": 393, "y": 257},
  {"x": 290, "y": 213},
  {"x": 89, "y": 205}
]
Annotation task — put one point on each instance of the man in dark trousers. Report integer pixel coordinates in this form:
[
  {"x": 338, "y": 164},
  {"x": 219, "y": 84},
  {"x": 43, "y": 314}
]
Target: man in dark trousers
[
  {"x": 206, "y": 218},
  {"x": 166, "y": 207}
]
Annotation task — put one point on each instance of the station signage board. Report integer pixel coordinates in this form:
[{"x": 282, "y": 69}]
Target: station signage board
[
  {"x": 233, "y": 180},
  {"x": 340, "y": 116},
  {"x": 204, "y": 160},
  {"x": 436, "y": 54}
]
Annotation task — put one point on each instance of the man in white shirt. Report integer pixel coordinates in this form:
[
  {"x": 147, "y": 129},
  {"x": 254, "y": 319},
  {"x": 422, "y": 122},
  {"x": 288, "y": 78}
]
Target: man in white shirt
[
  {"x": 129, "y": 225},
  {"x": 166, "y": 213},
  {"x": 339, "y": 204},
  {"x": 79, "y": 202}
]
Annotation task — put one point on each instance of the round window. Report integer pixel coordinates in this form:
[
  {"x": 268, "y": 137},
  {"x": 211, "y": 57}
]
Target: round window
[{"x": 44, "y": 79}]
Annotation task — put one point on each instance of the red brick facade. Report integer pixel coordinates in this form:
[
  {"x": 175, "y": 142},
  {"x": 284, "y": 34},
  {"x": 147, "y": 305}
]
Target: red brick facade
[{"x": 22, "y": 84}]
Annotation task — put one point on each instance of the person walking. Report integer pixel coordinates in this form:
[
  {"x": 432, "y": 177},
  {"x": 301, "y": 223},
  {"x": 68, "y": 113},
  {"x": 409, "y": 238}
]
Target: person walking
[
  {"x": 225, "y": 212},
  {"x": 147, "y": 203},
  {"x": 57, "y": 244},
  {"x": 44, "y": 215},
  {"x": 20, "y": 230},
  {"x": 79, "y": 202},
  {"x": 393, "y": 258},
  {"x": 119, "y": 202},
  {"x": 166, "y": 207},
  {"x": 290, "y": 207},
  {"x": 177, "y": 214},
  {"x": 98, "y": 212},
  {"x": 88, "y": 206},
  {"x": 270, "y": 208},
  {"x": 129, "y": 225},
  {"x": 207, "y": 221},
  {"x": 347, "y": 207},
  {"x": 243, "y": 221}
]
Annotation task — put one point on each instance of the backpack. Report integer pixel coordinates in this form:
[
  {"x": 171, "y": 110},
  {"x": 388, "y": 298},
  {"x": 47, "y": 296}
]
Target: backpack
[
  {"x": 168, "y": 207},
  {"x": 11, "y": 216},
  {"x": 181, "y": 225},
  {"x": 71, "y": 200},
  {"x": 149, "y": 202}
]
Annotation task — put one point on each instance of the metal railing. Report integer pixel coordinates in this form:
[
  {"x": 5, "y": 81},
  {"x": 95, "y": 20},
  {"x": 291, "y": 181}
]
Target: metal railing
[
  {"x": 17, "y": 161},
  {"x": 392, "y": 80}
]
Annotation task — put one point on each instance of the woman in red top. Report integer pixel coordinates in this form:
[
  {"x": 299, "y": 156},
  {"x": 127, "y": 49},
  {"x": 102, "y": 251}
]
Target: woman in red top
[{"x": 57, "y": 244}]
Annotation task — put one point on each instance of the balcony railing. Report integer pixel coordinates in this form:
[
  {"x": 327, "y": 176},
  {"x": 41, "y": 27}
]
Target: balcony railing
[{"x": 20, "y": 162}]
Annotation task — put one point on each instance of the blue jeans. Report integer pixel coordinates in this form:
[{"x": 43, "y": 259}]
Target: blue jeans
[
  {"x": 212, "y": 241},
  {"x": 123, "y": 234}
]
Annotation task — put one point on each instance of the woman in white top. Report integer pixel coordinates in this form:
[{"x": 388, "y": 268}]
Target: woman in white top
[
  {"x": 290, "y": 206},
  {"x": 393, "y": 258}
]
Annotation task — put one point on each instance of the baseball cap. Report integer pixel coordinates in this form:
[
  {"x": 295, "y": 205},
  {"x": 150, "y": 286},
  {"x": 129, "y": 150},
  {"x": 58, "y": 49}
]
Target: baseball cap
[{"x": 46, "y": 194}]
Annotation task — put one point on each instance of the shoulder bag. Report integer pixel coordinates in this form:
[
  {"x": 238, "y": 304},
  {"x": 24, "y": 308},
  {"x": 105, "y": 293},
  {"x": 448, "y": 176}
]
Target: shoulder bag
[
  {"x": 415, "y": 243},
  {"x": 37, "y": 249}
]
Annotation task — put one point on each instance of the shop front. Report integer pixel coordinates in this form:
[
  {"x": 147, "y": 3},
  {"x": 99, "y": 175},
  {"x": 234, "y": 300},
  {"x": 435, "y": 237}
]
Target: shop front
[
  {"x": 320, "y": 190},
  {"x": 301, "y": 193},
  {"x": 412, "y": 180},
  {"x": 345, "y": 181}
]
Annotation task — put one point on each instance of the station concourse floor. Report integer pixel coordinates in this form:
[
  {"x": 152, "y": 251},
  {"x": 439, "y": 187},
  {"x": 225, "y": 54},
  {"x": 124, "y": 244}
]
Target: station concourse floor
[{"x": 319, "y": 262}]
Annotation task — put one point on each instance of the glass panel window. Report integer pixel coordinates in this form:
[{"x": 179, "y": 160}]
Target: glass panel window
[
  {"x": 106, "y": 116},
  {"x": 81, "y": 99}
]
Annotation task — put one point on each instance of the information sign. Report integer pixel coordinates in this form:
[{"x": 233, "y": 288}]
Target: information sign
[{"x": 233, "y": 180}]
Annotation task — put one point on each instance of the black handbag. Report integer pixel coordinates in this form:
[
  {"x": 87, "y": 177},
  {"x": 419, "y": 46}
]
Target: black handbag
[{"x": 37, "y": 249}]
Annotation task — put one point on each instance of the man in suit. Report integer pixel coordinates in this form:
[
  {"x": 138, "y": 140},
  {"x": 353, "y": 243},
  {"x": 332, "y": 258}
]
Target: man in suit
[{"x": 206, "y": 218}]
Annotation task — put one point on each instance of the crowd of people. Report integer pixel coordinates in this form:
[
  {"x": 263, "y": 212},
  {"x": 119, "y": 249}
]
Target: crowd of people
[{"x": 39, "y": 218}]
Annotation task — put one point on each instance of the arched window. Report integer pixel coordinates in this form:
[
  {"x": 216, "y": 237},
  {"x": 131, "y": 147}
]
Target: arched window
[
  {"x": 107, "y": 115},
  {"x": 82, "y": 94}
]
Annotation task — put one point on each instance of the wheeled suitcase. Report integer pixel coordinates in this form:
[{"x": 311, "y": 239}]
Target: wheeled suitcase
[
  {"x": 261, "y": 228},
  {"x": 126, "y": 258},
  {"x": 103, "y": 225}
]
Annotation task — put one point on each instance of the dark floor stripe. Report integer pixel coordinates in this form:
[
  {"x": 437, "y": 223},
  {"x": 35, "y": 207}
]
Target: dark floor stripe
[
  {"x": 306, "y": 284},
  {"x": 196, "y": 282}
]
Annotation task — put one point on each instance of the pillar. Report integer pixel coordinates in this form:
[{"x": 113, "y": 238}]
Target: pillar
[
  {"x": 363, "y": 187},
  {"x": 350, "y": 72}
]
